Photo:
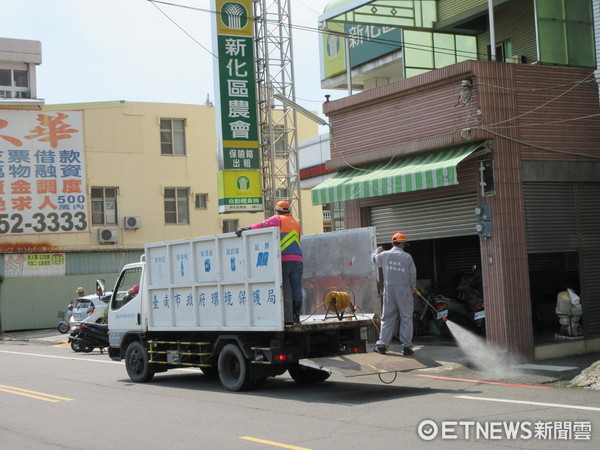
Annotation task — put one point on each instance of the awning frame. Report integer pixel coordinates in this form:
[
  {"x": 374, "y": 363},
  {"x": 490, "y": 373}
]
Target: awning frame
[{"x": 414, "y": 173}]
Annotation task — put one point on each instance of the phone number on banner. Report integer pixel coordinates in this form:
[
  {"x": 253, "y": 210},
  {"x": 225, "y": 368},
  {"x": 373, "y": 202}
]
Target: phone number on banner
[{"x": 43, "y": 223}]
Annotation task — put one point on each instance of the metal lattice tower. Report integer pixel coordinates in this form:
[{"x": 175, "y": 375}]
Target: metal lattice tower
[{"x": 277, "y": 121}]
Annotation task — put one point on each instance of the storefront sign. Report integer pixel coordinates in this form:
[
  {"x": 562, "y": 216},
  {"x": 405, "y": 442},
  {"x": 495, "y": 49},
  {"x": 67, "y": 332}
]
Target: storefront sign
[
  {"x": 314, "y": 171},
  {"x": 240, "y": 191},
  {"x": 34, "y": 265},
  {"x": 42, "y": 173},
  {"x": 367, "y": 42}
]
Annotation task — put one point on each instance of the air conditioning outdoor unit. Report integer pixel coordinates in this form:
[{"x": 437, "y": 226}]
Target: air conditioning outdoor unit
[
  {"x": 108, "y": 235},
  {"x": 516, "y": 59},
  {"x": 132, "y": 222}
]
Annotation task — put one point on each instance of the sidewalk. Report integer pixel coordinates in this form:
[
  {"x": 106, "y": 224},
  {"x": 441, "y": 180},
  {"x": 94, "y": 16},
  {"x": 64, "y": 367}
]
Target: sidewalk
[{"x": 453, "y": 361}]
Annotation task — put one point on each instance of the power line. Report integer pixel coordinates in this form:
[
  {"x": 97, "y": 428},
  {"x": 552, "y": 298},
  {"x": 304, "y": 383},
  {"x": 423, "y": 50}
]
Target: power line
[
  {"x": 552, "y": 122},
  {"x": 181, "y": 28},
  {"x": 381, "y": 41},
  {"x": 542, "y": 105},
  {"x": 536, "y": 146}
]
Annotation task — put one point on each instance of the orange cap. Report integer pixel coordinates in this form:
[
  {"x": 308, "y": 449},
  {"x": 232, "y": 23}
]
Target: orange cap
[{"x": 398, "y": 237}]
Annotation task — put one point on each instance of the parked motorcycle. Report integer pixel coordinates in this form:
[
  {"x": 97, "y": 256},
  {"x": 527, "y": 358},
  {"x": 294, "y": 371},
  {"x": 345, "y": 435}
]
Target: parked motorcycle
[
  {"x": 65, "y": 324},
  {"x": 467, "y": 310},
  {"x": 89, "y": 335}
]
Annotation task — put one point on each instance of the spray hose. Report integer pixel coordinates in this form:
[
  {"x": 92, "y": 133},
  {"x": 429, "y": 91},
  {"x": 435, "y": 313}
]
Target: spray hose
[{"x": 426, "y": 301}]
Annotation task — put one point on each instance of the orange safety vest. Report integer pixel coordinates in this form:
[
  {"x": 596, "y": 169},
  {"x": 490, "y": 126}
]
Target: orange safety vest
[{"x": 289, "y": 236}]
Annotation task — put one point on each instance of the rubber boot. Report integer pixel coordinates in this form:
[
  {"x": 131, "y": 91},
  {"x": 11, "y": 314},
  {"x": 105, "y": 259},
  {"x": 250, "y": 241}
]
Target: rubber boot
[{"x": 297, "y": 307}]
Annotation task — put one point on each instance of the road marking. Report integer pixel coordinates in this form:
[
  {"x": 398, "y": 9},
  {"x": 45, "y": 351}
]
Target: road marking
[
  {"x": 484, "y": 382},
  {"x": 33, "y": 394},
  {"x": 523, "y": 402},
  {"x": 61, "y": 357},
  {"x": 542, "y": 367},
  {"x": 274, "y": 444}
]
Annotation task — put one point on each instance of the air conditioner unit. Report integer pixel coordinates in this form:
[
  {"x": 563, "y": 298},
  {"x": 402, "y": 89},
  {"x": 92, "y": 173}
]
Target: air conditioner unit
[
  {"x": 108, "y": 235},
  {"x": 516, "y": 59},
  {"x": 132, "y": 222}
]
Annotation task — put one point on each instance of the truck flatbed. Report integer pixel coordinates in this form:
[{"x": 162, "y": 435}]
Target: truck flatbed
[
  {"x": 320, "y": 322},
  {"x": 368, "y": 363}
]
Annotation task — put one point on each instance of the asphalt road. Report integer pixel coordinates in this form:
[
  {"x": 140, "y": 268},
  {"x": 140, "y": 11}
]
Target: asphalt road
[{"x": 53, "y": 398}]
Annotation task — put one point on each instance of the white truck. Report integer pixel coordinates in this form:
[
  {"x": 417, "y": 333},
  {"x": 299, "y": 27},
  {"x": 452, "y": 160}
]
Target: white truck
[{"x": 216, "y": 303}]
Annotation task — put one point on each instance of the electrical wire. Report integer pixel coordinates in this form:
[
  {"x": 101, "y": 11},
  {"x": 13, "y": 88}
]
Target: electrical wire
[
  {"x": 535, "y": 89},
  {"x": 464, "y": 98},
  {"x": 552, "y": 122},
  {"x": 381, "y": 41},
  {"x": 181, "y": 28},
  {"x": 542, "y": 105},
  {"x": 518, "y": 141}
]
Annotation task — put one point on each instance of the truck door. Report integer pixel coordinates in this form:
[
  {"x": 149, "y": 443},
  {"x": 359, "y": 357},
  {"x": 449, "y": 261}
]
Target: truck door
[{"x": 126, "y": 303}]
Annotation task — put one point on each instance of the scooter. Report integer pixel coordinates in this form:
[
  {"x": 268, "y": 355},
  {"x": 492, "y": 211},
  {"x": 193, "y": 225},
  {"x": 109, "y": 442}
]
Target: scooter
[
  {"x": 65, "y": 324},
  {"x": 453, "y": 310},
  {"x": 88, "y": 335}
]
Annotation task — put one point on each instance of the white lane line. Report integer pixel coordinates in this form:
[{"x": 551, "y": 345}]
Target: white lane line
[
  {"x": 523, "y": 402},
  {"x": 60, "y": 357},
  {"x": 83, "y": 359}
]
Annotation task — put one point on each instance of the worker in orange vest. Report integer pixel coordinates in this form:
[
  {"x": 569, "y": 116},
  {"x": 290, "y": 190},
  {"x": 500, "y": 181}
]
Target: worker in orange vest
[{"x": 292, "y": 264}]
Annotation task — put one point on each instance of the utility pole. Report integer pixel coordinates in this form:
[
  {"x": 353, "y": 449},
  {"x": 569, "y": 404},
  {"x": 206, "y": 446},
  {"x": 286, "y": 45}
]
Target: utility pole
[{"x": 277, "y": 121}]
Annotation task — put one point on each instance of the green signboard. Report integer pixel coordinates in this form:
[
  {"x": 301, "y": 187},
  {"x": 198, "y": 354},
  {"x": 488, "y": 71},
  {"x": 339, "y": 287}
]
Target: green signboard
[
  {"x": 237, "y": 85},
  {"x": 240, "y": 191},
  {"x": 367, "y": 42}
]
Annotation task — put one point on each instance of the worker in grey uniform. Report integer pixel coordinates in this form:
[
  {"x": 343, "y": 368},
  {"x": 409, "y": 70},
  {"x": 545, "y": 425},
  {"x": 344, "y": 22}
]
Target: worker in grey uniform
[{"x": 400, "y": 283}]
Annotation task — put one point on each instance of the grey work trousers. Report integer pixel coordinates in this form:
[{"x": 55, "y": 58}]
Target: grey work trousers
[{"x": 397, "y": 301}]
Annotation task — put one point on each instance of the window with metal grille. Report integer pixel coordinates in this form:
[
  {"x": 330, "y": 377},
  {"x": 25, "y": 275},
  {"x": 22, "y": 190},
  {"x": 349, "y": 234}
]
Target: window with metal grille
[
  {"x": 104, "y": 205},
  {"x": 230, "y": 225},
  {"x": 172, "y": 136},
  {"x": 177, "y": 205}
]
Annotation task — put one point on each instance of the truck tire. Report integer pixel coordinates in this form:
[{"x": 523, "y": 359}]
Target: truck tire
[
  {"x": 305, "y": 375},
  {"x": 136, "y": 363},
  {"x": 233, "y": 369}
]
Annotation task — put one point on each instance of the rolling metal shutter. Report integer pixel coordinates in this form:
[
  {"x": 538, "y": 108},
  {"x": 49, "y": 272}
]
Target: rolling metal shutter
[
  {"x": 564, "y": 217},
  {"x": 550, "y": 217},
  {"x": 589, "y": 218},
  {"x": 426, "y": 219}
]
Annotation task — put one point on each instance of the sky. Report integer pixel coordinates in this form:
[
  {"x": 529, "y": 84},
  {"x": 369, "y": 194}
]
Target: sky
[{"x": 104, "y": 50}]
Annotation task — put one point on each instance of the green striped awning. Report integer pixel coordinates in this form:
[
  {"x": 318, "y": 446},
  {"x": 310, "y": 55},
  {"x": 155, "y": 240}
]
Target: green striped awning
[{"x": 410, "y": 174}]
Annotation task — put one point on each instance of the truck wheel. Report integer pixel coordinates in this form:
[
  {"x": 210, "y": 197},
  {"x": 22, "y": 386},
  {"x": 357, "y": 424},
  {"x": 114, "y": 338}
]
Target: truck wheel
[
  {"x": 305, "y": 375},
  {"x": 136, "y": 363},
  {"x": 233, "y": 369}
]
